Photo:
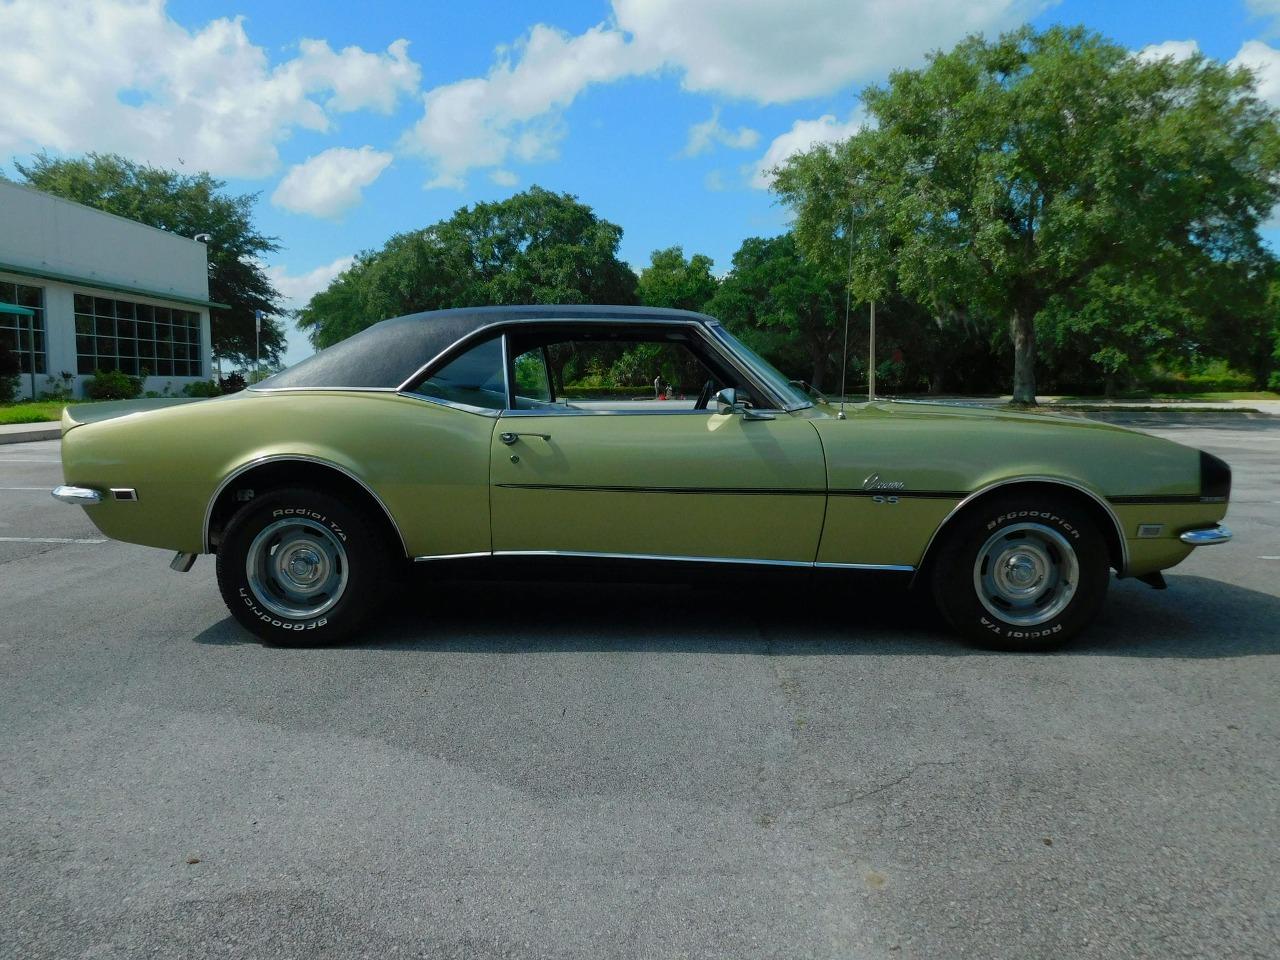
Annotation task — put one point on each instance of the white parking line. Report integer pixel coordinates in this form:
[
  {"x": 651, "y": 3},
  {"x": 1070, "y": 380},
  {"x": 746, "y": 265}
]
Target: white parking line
[
  {"x": 45, "y": 489},
  {"x": 50, "y": 540}
]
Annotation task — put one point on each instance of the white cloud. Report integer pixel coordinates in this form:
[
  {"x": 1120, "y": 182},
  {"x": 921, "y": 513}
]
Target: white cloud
[
  {"x": 514, "y": 110},
  {"x": 297, "y": 289},
  {"x": 705, "y": 135},
  {"x": 762, "y": 50},
  {"x": 714, "y": 181},
  {"x": 776, "y": 52},
  {"x": 121, "y": 75},
  {"x": 504, "y": 178},
  {"x": 803, "y": 135},
  {"x": 330, "y": 183},
  {"x": 1173, "y": 49},
  {"x": 1264, "y": 61}
]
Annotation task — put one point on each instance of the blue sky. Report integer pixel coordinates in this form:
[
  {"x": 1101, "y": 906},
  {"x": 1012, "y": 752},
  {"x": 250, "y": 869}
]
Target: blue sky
[{"x": 358, "y": 120}]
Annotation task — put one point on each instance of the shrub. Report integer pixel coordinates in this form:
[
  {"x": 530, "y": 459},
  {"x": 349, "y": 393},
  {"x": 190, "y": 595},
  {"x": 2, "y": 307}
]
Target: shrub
[
  {"x": 112, "y": 385},
  {"x": 201, "y": 388},
  {"x": 1274, "y": 382},
  {"x": 232, "y": 382},
  {"x": 10, "y": 368}
]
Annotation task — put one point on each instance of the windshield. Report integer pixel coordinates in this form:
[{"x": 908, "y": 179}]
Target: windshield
[{"x": 792, "y": 397}]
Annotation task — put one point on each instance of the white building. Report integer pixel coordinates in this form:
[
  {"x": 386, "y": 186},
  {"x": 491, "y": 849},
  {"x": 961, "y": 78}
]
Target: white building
[{"x": 108, "y": 293}]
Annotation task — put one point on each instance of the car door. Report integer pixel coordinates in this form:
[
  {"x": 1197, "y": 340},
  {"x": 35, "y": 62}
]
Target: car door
[{"x": 600, "y": 470}]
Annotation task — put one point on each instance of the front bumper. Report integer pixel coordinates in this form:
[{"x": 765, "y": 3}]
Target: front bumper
[{"x": 1206, "y": 536}]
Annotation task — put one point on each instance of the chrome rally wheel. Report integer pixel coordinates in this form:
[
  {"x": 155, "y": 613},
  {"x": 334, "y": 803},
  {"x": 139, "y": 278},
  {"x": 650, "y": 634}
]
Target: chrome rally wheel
[
  {"x": 1026, "y": 574},
  {"x": 297, "y": 568}
]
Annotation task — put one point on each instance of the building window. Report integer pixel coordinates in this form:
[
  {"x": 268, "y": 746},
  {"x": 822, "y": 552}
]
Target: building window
[
  {"x": 16, "y": 330},
  {"x": 136, "y": 337}
]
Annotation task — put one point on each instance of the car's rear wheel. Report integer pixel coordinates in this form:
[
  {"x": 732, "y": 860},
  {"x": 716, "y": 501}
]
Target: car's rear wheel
[
  {"x": 1021, "y": 572},
  {"x": 299, "y": 567}
]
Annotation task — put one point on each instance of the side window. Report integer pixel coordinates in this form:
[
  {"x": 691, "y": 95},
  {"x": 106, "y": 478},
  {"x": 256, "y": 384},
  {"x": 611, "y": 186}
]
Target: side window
[
  {"x": 662, "y": 373},
  {"x": 474, "y": 378},
  {"x": 533, "y": 382}
]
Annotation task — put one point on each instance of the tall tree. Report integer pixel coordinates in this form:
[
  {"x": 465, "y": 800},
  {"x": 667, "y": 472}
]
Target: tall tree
[
  {"x": 184, "y": 204},
  {"x": 1006, "y": 173},
  {"x": 789, "y": 308},
  {"x": 672, "y": 281},
  {"x": 534, "y": 247}
]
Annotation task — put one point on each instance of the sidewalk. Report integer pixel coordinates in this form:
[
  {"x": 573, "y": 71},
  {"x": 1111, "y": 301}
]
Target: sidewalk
[
  {"x": 1049, "y": 403},
  {"x": 28, "y": 432}
]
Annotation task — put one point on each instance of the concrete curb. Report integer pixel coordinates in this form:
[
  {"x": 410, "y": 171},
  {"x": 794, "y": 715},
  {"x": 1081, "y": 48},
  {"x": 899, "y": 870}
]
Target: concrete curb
[{"x": 29, "y": 432}]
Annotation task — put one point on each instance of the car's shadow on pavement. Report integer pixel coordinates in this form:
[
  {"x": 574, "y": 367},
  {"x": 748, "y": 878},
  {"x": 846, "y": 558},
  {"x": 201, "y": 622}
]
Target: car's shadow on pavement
[{"x": 1196, "y": 618}]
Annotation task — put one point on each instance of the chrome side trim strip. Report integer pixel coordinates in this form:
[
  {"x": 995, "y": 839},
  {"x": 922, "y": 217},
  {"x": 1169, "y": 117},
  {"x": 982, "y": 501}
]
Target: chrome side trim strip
[
  {"x": 81, "y": 495},
  {"x": 894, "y": 567},
  {"x": 1060, "y": 481},
  {"x": 452, "y": 556},
  {"x": 1207, "y": 536},
  {"x": 302, "y": 458},
  {"x": 593, "y": 555}
]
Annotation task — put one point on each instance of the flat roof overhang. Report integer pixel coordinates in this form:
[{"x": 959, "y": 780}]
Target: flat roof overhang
[{"x": 114, "y": 287}]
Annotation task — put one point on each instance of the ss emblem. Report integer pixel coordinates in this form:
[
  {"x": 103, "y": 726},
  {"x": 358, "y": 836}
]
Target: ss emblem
[{"x": 884, "y": 499}]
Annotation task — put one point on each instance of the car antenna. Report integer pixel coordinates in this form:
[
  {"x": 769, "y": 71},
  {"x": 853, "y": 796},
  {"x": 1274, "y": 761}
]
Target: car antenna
[{"x": 848, "y": 294}]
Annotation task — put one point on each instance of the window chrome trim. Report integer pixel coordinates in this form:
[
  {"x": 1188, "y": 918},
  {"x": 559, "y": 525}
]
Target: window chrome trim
[
  {"x": 301, "y": 458},
  {"x": 1060, "y": 481},
  {"x": 465, "y": 407},
  {"x": 258, "y": 389}
]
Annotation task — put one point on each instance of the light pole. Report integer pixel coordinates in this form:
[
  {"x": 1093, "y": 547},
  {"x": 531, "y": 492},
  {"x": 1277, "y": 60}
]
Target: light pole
[{"x": 257, "y": 340}]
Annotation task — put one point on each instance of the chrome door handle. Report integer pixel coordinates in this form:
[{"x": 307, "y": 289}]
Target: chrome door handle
[{"x": 510, "y": 438}]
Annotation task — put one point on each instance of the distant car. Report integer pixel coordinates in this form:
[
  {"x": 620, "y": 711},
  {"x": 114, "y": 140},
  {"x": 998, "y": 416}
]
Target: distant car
[{"x": 474, "y": 434}]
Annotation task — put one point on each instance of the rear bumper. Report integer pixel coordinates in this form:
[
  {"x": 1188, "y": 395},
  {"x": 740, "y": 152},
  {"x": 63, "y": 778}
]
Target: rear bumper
[
  {"x": 1206, "y": 536},
  {"x": 80, "y": 495}
]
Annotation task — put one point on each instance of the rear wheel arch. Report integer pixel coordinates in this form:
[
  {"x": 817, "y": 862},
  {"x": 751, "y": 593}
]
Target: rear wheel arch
[
  {"x": 277, "y": 472},
  {"x": 1105, "y": 519}
]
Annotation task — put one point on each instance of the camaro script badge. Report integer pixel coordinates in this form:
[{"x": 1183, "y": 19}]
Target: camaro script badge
[{"x": 874, "y": 482}]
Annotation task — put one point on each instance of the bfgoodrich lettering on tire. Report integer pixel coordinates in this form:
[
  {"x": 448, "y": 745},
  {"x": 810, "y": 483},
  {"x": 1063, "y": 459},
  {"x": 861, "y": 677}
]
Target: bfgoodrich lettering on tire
[
  {"x": 299, "y": 567},
  {"x": 1021, "y": 572}
]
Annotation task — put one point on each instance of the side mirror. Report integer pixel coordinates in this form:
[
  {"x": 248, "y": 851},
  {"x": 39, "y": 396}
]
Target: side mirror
[{"x": 727, "y": 402}]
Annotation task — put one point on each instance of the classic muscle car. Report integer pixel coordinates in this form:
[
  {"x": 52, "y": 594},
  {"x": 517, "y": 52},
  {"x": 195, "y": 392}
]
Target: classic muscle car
[{"x": 472, "y": 434}]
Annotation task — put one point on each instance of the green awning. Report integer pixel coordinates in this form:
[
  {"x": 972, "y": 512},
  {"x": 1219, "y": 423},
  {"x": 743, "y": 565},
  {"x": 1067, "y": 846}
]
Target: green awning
[
  {"x": 14, "y": 308},
  {"x": 113, "y": 287}
]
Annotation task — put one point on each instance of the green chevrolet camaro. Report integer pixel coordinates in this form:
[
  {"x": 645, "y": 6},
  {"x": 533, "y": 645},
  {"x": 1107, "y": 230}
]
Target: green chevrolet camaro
[{"x": 461, "y": 436}]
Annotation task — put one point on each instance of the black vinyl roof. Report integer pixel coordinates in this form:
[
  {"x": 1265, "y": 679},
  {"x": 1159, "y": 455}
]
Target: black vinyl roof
[{"x": 389, "y": 353}]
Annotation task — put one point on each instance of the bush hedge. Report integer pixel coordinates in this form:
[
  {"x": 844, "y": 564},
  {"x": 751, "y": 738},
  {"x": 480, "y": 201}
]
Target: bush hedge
[{"x": 112, "y": 385}]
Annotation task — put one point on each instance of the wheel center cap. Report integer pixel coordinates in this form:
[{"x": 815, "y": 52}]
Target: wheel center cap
[
  {"x": 303, "y": 566},
  {"x": 1020, "y": 569}
]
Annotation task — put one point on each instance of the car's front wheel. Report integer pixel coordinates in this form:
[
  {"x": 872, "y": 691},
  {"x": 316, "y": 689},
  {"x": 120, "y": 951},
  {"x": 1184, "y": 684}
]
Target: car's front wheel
[
  {"x": 299, "y": 567},
  {"x": 1021, "y": 572}
]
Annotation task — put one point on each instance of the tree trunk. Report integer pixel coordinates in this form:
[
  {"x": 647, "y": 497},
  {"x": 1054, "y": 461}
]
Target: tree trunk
[
  {"x": 1109, "y": 384},
  {"x": 1022, "y": 332}
]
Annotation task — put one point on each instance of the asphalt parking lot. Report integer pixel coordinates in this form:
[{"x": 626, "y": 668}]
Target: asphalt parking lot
[{"x": 525, "y": 770}]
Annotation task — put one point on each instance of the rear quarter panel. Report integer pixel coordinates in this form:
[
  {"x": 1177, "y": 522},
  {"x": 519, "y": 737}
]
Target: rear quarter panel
[{"x": 428, "y": 464}]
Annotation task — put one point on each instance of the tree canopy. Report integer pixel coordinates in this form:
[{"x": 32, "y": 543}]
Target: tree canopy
[
  {"x": 534, "y": 247},
  {"x": 672, "y": 281},
  {"x": 184, "y": 204},
  {"x": 1053, "y": 179}
]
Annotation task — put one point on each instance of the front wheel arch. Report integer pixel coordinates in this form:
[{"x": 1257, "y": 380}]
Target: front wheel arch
[
  {"x": 1102, "y": 515},
  {"x": 278, "y": 472}
]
